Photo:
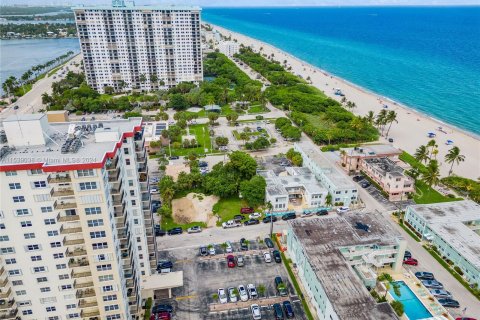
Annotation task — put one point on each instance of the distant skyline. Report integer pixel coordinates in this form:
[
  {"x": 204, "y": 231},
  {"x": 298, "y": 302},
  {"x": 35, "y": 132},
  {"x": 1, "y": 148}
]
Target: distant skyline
[{"x": 256, "y": 3}]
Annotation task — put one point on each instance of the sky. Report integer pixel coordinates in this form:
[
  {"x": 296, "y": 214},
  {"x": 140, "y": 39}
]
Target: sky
[{"x": 253, "y": 3}]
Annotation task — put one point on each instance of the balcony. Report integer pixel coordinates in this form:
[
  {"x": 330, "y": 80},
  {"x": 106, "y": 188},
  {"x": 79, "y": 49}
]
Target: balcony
[
  {"x": 2, "y": 270},
  {"x": 66, "y": 230},
  {"x": 9, "y": 315},
  {"x": 86, "y": 293},
  {"x": 117, "y": 200},
  {"x": 59, "y": 178},
  {"x": 82, "y": 303},
  {"x": 111, "y": 164},
  {"x": 67, "y": 218},
  {"x": 8, "y": 304},
  {"x": 113, "y": 175},
  {"x": 5, "y": 294},
  {"x": 76, "y": 253},
  {"x": 82, "y": 285},
  {"x": 142, "y": 169},
  {"x": 72, "y": 242},
  {"x": 143, "y": 177},
  {"x": 74, "y": 263},
  {"x": 60, "y": 205},
  {"x": 3, "y": 283},
  {"x": 77, "y": 275},
  {"x": 61, "y": 192},
  {"x": 90, "y": 314}
]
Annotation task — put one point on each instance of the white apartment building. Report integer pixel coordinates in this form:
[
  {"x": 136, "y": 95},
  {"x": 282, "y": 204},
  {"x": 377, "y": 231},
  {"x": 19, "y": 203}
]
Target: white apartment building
[
  {"x": 229, "y": 48},
  {"x": 130, "y": 47},
  {"x": 338, "y": 184},
  {"x": 76, "y": 233}
]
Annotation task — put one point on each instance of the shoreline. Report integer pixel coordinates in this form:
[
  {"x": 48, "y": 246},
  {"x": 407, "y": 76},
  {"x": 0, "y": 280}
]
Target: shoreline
[{"x": 417, "y": 122}]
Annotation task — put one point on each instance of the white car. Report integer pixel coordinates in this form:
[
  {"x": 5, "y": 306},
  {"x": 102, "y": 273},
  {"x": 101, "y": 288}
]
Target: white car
[
  {"x": 255, "y": 308},
  {"x": 252, "y": 291},
  {"x": 267, "y": 256},
  {"x": 211, "y": 250},
  {"x": 242, "y": 292},
  {"x": 222, "y": 295},
  {"x": 228, "y": 247},
  {"x": 255, "y": 215},
  {"x": 194, "y": 229},
  {"x": 342, "y": 209},
  {"x": 232, "y": 295},
  {"x": 154, "y": 191}
]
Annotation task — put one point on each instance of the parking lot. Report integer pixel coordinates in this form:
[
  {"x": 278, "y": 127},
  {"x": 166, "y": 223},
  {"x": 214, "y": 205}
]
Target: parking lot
[{"x": 203, "y": 276}]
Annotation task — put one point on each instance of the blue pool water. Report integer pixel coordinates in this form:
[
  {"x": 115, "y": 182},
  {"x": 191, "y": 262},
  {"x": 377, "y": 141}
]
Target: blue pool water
[
  {"x": 414, "y": 309},
  {"x": 428, "y": 58}
]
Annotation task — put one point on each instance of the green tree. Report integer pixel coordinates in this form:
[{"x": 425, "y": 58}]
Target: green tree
[
  {"x": 253, "y": 190},
  {"x": 260, "y": 143},
  {"x": 178, "y": 101},
  {"x": 221, "y": 141},
  {"x": 108, "y": 90},
  {"x": 329, "y": 200},
  {"x": 390, "y": 118},
  {"x": 432, "y": 175},
  {"x": 453, "y": 156},
  {"x": 212, "y": 117},
  {"x": 421, "y": 154},
  {"x": 397, "y": 306},
  {"x": 432, "y": 144},
  {"x": 242, "y": 164},
  {"x": 131, "y": 114},
  {"x": 370, "y": 117}
]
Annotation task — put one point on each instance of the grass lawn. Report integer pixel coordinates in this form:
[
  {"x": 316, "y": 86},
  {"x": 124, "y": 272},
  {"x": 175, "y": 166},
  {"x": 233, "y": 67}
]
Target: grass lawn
[
  {"x": 318, "y": 121},
  {"x": 227, "y": 208},
  {"x": 257, "y": 108},
  {"x": 202, "y": 137},
  {"x": 20, "y": 90},
  {"x": 168, "y": 223},
  {"x": 200, "y": 114},
  {"x": 425, "y": 195}
]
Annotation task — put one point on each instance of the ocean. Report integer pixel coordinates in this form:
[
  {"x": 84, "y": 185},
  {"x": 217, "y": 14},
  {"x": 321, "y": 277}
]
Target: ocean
[
  {"x": 17, "y": 56},
  {"x": 427, "y": 58}
]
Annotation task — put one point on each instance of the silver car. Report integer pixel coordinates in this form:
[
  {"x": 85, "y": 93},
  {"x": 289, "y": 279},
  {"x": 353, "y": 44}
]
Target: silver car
[
  {"x": 240, "y": 261},
  {"x": 242, "y": 292},
  {"x": 232, "y": 294},
  {"x": 439, "y": 293}
]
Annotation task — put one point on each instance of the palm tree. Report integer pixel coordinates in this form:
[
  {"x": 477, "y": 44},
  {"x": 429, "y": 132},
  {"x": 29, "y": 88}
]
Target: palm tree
[
  {"x": 245, "y": 137},
  {"x": 432, "y": 144},
  {"x": 453, "y": 156},
  {"x": 381, "y": 120},
  {"x": 391, "y": 117},
  {"x": 432, "y": 175},
  {"x": 421, "y": 154},
  {"x": 370, "y": 117}
]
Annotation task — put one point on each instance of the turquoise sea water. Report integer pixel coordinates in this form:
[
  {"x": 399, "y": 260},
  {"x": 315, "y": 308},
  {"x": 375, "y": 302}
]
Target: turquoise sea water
[{"x": 427, "y": 58}]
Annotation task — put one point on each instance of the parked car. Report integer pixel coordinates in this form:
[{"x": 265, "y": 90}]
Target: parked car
[
  {"x": 202, "y": 164},
  {"x": 161, "y": 316},
  {"x": 465, "y": 318},
  {"x": 407, "y": 255},
  {"x": 255, "y": 308},
  {"x": 307, "y": 214},
  {"x": 252, "y": 291},
  {"x": 358, "y": 178},
  {"x": 228, "y": 247},
  {"x": 231, "y": 261},
  {"x": 243, "y": 244},
  {"x": 449, "y": 303},
  {"x": 422, "y": 275},
  {"x": 365, "y": 184},
  {"x": 438, "y": 293},
  {"x": 154, "y": 191},
  {"x": 432, "y": 284},
  {"x": 251, "y": 222},
  {"x": 174, "y": 157},
  {"x": 162, "y": 308},
  {"x": 222, "y": 295},
  {"x": 322, "y": 212},
  {"x": 267, "y": 257},
  {"x": 158, "y": 231},
  {"x": 15, "y": 108},
  {"x": 342, "y": 209},
  {"x": 289, "y": 216},
  {"x": 269, "y": 218},
  {"x": 238, "y": 218},
  {"x": 232, "y": 295},
  {"x": 174, "y": 231},
  {"x": 164, "y": 265},
  {"x": 390, "y": 140},
  {"x": 255, "y": 215},
  {"x": 277, "y": 256},
  {"x": 411, "y": 262},
  {"x": 277, "y": 311},
  {"x": 246, "y": 210},
  {"x": 269, "y": 243},
  {"x": 194, "y": 229},
  {"x": 280, "y": 286},
  {"x": 287, "y": 307},
  {"x": 230, "y": 224},
  {"x": 203, "y": 251},
  {"x": 211, "y": 250},
  {"x": 242, "y": 292},
  {"x": 240, "y": 260}
]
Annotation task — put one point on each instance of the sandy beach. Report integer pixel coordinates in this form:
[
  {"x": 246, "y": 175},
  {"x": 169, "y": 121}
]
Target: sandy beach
[{"x": 412, "y": 127}]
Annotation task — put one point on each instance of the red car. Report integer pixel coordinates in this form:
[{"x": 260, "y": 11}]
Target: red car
[
  {"x": 161, "y": 316},
  {"x": 246, "y": 210},
  {"x": 231, "y": 261},
  {"x": 465, "y": 318},
  {"x": 411, "y": 262}
]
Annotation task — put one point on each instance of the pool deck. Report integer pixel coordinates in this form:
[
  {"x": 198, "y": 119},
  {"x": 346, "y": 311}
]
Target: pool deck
[{"x": 423, "y": 294}]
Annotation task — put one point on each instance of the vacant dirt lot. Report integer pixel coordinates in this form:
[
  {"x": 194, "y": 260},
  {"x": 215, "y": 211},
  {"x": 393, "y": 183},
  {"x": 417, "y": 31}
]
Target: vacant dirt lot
[{"x": 194, "y": 207}]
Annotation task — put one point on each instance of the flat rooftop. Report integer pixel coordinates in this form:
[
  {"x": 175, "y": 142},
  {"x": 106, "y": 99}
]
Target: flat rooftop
[
  {"x": 296, "y": 177},
  {"x": 130, "y": 6},
  {"x": 372, "y": 150},
  {"x": 449, "y": 220},
  {"x": 322, "y": 239},
  {"x": 385, "y": 166},
  {"x": 337, "y": 177},
  {"x": 50, "y": 154}
]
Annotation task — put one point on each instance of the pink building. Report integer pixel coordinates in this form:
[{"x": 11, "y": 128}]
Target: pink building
[{"x": 351, "y": 157}]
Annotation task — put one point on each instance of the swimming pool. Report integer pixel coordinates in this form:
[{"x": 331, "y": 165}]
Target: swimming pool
[{"x": 414, "y": 309}]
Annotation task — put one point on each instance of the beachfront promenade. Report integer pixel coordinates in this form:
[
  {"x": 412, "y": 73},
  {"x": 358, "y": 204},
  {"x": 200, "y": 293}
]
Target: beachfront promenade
[{"x": 412, "y": 128}]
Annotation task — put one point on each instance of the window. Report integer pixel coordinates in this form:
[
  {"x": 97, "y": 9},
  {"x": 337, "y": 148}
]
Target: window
[
  {"x": 58, "y": 255},
  {"x": 17, "y": 282},
  {"x": 107, "y": 288},
  {"x": 27, "y": 312},
  {"x": 42, "y": 197},
  {"x": 11, "y": 261},
  {"x": 42, "y": 279},
  {"x": 97, "y": 234},
  {"x": 14, "y": 186},
  {"x": 112, "y": 307},
  {"x": 108, "y": 277},
  {"x": 95, "y": 223},
  {"x": 33, "y": 247},
  {"x": 4, "y": 238},
  {"x": 113, "y": 317},
  {"x": 39, "y": 269},
  {"x": 45, "y": 289},
  {"x": 36, "y": 171},
  {"x": 46, "y": 209},
  {"x": 63, "y": 277},
  {"x": 100, "y": 245},
  {"x": 10, "y": 173},
  {"x": 73, "y": 315},
  {"x": 127, "y": 162},
  {"x": 25, "y": 224},
  {"x": 88, "y": 186},
  {"x": 2, "y": 226},
  {"x": 55, "y": 244},
  {"x": 71, "y": 306},
  {"x": 19, "y": 199},
  {"x": 40, "y": 184},
  {"x": 49, "y": 221},
  {"x": 51, "y": 309},
  {"x": 94, "y": 210},
  {"x": 66, "y": 287},
  {"x": 15, "y": 272},
  {"x": 125, "y": 151},
  {"x": 52, "y": 233},
  {"x": 104, "y": 267},
  {"x": 110, "y": 297},
  {"x": 85, "y": 173},
  {"x": 61, "y": 266},
  {"x": 36, "y": 258},
  {"x": 21, "y": 292},
  {"x": 22, "y": 212}
]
